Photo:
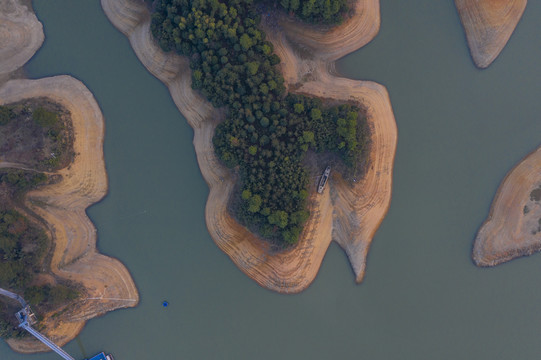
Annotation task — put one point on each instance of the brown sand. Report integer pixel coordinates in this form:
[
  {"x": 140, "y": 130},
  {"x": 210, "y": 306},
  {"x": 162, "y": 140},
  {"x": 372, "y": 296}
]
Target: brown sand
[
  {"x": 348, "y": 214},
  {"x": 21, "y": 35},
  {"x": 107, "y": 283},
  {"x": 513, "y": 227},
  {"x": 488, "y": 25}
]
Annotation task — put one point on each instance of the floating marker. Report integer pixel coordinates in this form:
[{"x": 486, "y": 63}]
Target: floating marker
[{"x": 165, "y": 304}]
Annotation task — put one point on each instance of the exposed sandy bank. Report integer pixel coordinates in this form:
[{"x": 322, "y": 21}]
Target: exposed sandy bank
[
  {"x": 21, "y": 35},
  {"x": 488, "y": 25},
  {"x": 513, "y": 227},
  {"x": 349, "y": 215},
  {"x": 63, "y": 206}
]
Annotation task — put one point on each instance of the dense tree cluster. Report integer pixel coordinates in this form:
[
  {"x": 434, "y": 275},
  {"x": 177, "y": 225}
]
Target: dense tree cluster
[
  {"x": 267, "y": 132},
  {"x": 317, "y": 11},
  {"x": 6, "y": 113},
  {"x": 22, "y": 250},
  {"x": 22, "y": 181}
]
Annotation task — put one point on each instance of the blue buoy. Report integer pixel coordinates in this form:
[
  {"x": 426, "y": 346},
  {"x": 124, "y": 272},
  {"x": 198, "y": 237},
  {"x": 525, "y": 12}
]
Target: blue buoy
[{"x": 165, "y": 304}]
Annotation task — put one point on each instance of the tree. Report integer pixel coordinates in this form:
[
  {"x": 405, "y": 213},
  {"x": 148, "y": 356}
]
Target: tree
[
  {"x": 278, "y": 218},
  {"x": 252, "y": 67},
  {"x": 308, "y": 137},
  {"x": 315, "y": 114},
  {"x": 246, "y": 42},
  {"x": 246, "y": 194},
  {"x": 254, "y": 204}
]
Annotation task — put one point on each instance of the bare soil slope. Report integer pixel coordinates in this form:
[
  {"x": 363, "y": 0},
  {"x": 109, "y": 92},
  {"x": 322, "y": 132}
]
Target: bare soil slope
[{"x": 488, "y": 25}]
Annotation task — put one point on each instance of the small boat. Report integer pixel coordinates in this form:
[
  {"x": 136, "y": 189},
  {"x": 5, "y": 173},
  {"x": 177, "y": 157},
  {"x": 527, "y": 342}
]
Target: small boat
[{"x": 323, "y": 180}]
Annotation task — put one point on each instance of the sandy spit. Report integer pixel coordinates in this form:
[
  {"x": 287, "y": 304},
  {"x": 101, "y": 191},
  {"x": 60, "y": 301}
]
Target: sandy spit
[
  {"x": 488, "y": 25},
  {"x": 513, "y": 226},
  {"x": 107, "y": 282},
  {"x": 347, "y": 214}
]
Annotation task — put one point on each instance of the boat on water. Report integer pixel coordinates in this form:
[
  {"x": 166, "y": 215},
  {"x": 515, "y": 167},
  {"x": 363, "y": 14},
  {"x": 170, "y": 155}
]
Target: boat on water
[
  {"x": 102, "y": 356},
  {"x": 323, "y": 180}
]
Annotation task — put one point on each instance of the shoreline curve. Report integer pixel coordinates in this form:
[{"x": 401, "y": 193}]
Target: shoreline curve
[{"x": 350, "y": 215}]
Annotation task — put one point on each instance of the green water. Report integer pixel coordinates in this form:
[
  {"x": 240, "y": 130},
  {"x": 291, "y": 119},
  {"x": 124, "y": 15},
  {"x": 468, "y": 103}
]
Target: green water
[{"x": 460, "y": 131}]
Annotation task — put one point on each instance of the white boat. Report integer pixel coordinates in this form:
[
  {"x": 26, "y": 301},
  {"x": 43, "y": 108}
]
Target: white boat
[{"x": 323, "y": 180}]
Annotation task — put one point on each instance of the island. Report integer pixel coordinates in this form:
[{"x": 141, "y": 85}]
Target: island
[
  {"x": 488, "y": 25},
  {"x": 51, "y": 170},
  {"x": 350, "y": 209},
  {"x": 513, "y": 227}
]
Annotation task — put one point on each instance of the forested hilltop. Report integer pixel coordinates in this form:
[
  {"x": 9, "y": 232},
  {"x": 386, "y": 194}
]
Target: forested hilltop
[{"x": 267, "y": 132}]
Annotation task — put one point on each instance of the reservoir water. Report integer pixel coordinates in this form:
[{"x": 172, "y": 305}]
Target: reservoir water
[{"x": 460, "y": 131}]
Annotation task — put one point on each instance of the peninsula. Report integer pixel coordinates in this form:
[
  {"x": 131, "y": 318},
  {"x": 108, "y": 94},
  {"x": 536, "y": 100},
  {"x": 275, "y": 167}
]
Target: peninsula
[
  {"x": 488, "y": 25},
  {"x": 59, "y": 207},
  {"x": 348, "y": 212}
]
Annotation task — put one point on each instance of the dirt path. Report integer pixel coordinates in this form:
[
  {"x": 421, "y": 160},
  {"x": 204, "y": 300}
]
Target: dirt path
[
  {"x": 4, "y": 165},
  {"x": 513, "y": 227},
  {"x": 488, "y": 25},
  {"x": 107, "y": 282},
  {"x": 349, "y": 215}
]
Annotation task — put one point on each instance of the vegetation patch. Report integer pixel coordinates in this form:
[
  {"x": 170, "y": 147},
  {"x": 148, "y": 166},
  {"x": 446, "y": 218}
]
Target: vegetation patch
[
  {"x": 17, "y": 182},
  {"x": 267, "y": 132},
  {"x": 6, "y": 114},
  {"x": 36, "y": 133},
  {"x": 535, "y": 195},
  {"x": 45, "y": 118},
  {"x": 317, "y": 11}
]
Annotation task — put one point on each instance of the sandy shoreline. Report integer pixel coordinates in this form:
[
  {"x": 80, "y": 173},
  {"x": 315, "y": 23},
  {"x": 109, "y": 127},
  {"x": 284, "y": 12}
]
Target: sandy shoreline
[
  {"x": 63, "y": 204},
  {"x": 348, "y": 215},
  {"x": 488, "y": 25},
  {"x": 513, "y": 226}
]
